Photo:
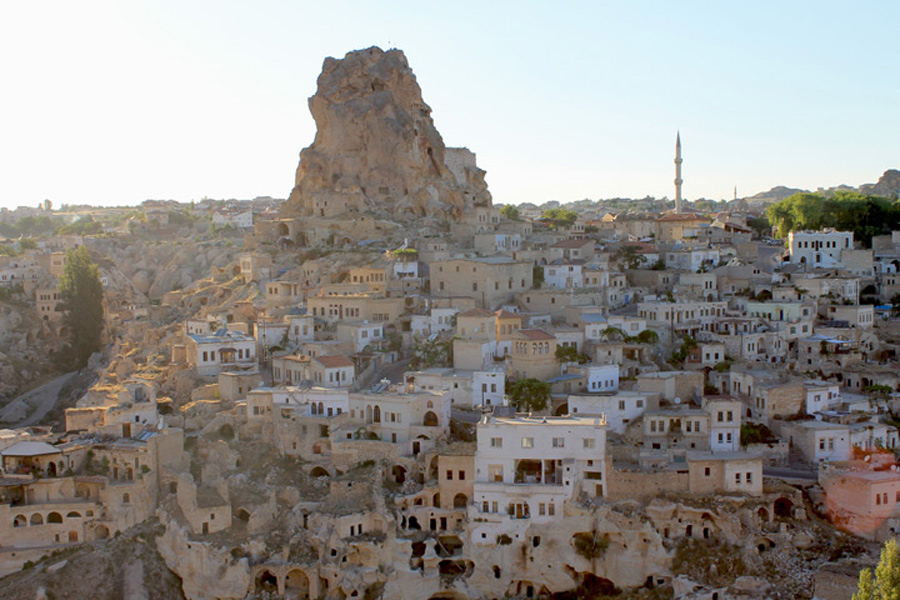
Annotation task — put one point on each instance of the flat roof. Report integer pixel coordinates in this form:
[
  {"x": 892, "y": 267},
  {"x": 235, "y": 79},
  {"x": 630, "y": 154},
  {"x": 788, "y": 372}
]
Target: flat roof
[
  {"x": 30, "y": 449},
  {"x": 522, "y": 419}
]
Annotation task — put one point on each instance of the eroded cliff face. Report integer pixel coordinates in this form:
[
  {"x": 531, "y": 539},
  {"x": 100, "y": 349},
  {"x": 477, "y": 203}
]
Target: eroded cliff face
[
  {"x": 377, "y": 150},
  {"x": 888, "y": 185}
]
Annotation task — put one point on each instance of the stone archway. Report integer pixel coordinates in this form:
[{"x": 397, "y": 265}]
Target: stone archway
[
  {"x": 460, "y": 501},
  {"x": 296, "y": 584},
  {"x": 783, "y": 508},
  {"x": 399, "y": 473},
  {"x": 101, "y": 532},
  {"x": 266, "y": 581},
  {"x": 319, "y": 472},
  {"x": 430, "y": 420}
]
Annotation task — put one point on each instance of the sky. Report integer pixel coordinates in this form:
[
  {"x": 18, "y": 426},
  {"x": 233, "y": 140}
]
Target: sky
[{"x": 113, "y": 103}]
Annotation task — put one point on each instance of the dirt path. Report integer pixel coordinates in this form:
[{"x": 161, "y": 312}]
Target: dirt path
[{"x": 42, "y": 400}]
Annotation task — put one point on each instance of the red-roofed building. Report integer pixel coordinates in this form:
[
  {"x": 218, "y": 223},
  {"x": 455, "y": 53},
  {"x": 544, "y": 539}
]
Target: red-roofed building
[
  {"x": 576, "y": 249},
  {"x": 332, "y": 371}
]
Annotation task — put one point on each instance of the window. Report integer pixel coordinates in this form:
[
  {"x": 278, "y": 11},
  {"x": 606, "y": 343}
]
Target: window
[
  {"x": 588, "y": 443},
  {"x": 527, "y": 442},
  {"x": 485, "y": 506},
  {"x": 449, "y": 474},
  {"x": 461, "y": 475},
  {"x": 542, "y": 509},
  {"x": 706, "y": 472},
  {"x": 551, "y": 509},
  {"x": 496, "y": 442},
  {"x": 621, "y": 405},
  {"x": 749, "y": 477},
  {"x": 737, "y": 477},
  {"x": 559, "y": 442}
]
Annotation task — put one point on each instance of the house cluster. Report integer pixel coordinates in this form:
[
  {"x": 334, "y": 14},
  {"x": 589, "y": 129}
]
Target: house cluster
[{"x": 620, "y": 357}]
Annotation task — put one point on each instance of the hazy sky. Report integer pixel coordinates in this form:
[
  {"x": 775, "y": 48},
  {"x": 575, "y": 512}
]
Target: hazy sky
[{"x": 114, "y": 103}]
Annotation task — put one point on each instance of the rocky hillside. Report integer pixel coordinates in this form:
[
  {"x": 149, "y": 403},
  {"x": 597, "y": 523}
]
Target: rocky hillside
[
  {"x": 126, "y": 568},
  {"x": 888, "y": 185},
  {"x": 26, "y": 342}
]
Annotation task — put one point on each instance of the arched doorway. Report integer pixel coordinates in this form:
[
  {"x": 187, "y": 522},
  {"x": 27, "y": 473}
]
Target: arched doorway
[
  {"x": 319, "y": 472},
  {"x": 73, "y": 537},
  {"x": 763, "y": 514},
  {"x": 101, "y": 532},
  {"x": 430, "y": 419},
  {"x": 226, "y": 432},
  {"x": 266, "y": 582},
  {"x": 460, "y": 501},
  {"x": 399, "y": 473},
  {"x": 37, "y": 519},
  {"x": 562, "y": 410},
  {"x": 436, "y": 500},
  {"x": 242, "y": 515},
  {"x": 296, "y": 584},
  {"x": 54, "y": 517},
  {"x": 784, "y": 508}
]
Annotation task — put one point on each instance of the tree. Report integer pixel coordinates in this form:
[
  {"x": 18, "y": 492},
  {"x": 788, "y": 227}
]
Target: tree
[
  {"x": 529, "y": 395},
  {"x": 885, "y": 583},
  {"x": 647, "y": 336},
  {"x": 571, "y": 354},
  {"x": 510, "y": 211},
  {"x": 630, "y": 257},
  {"x": 560, "y": 216},
  {"x": 895, "y": 305},
  {"x": 81, "y": 297}
]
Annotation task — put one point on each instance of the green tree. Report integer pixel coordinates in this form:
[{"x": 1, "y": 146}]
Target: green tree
[
  {"x": 560, "y": 216},
  {"x": 529, "y": 395},
  {"x": 630, "y": 257},
  {"x": 27, "y": 244},
  {"x": 895, "y": 305},
  {"x": 647, "y": 336},
  {"x": 760, "y": 225},
  {"x": 571, "y": 354},
  {"x": 82, "y": 304},
  {"x": 510, "y": 211},
  {"x": 885, "y": 583}
]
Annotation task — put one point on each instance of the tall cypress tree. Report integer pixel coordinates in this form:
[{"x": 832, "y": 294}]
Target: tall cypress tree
[{"x": 81, "y": 297}]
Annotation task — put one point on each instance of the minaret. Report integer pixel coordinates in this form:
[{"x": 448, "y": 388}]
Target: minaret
[{"x": 678, "y": 173}]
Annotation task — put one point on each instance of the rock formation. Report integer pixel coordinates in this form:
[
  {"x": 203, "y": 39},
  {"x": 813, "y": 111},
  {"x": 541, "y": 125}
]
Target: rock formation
[
  {"x": 888, "y": 185},
  {"x": 376, "y": 149}
]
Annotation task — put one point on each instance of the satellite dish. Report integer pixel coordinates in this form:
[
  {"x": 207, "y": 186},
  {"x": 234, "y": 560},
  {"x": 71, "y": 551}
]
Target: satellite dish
[{"x": 677, "y": 400}]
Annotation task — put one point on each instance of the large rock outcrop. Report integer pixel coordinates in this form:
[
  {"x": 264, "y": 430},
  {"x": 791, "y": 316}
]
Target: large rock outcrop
[
  {"x": 376, "y": 149},
  {"x": 888, "y": 185}
]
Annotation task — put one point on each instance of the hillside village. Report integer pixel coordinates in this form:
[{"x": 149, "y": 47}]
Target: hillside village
[{"x": 385, "y": 386}]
